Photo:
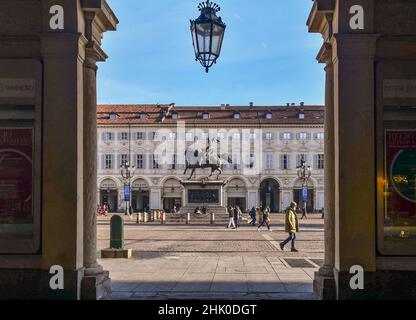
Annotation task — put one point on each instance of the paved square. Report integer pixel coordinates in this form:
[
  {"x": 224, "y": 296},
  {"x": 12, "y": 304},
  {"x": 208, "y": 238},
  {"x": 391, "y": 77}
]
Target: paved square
[{"x": 212, "y": 262}]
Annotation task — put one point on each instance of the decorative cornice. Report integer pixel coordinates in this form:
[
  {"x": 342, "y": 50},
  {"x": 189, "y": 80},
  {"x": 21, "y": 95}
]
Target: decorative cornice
[
  {"x": 325, "y": 54},
  {"x": 317, "y": 17},
  {"x": 105, "y": 15}
]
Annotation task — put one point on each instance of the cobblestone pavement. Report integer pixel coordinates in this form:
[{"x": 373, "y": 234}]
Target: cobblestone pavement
[{"x": 212, "y": 262}]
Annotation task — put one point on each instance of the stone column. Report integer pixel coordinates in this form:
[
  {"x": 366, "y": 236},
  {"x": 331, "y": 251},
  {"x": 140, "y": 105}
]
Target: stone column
[
  {"x": 324, "y": 283},
  {"x": 96, "y": 283}
]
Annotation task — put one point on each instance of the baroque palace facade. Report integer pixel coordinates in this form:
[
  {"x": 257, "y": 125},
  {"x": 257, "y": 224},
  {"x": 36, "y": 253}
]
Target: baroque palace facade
[{"x": 265, "y": 146}]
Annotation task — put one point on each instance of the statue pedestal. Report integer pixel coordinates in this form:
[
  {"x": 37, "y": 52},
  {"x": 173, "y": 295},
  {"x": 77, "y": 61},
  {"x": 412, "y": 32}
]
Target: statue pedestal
[{"x": 204, "y": 193}]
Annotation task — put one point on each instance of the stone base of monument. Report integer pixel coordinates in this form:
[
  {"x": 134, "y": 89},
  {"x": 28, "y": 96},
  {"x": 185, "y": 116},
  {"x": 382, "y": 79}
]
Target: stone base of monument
[
  {"x": 116, "y": 253},
  {"x": 208, "y": 194}
]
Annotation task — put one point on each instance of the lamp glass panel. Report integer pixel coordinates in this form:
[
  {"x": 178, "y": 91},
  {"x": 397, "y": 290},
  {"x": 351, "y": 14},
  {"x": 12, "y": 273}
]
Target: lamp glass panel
[
  {"x": 217, "y": 36},
  {"x": 203, "y": 31}
]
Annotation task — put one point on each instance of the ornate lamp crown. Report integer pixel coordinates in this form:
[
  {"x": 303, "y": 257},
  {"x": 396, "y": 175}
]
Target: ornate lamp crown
[{"x": 209, "y": 5}]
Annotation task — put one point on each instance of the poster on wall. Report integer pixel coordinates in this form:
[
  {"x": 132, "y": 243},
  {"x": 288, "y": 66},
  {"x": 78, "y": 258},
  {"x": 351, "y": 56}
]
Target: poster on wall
[
  {"x": 16, "y": 180},
  {"x": 400, "y": 184}
]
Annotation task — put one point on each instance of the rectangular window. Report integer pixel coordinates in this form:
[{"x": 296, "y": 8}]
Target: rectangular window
[
  {"x": 320, "y": 136},
  {"x": 269, "y": 161},
  {"x": 107, "y": 136},
  {"x": 204, "y": 135},
  {"x": 124, "y": 159},
  {"x": 252, "y": 161},
  {"x": 303, "y": 136},
  {"x": 108, "y": 161},
  {"x": 173, "y": 162},
  {"x": 139, "y": 162},
  {"x": 320, "y": 161},
  {"x": 285, "y": 165},
  {"x": 268, "y": 136},
  {"x": 155, "y": 161},
  {"x": 124, "y": 136},
  {"x": 252, "y": 136},
  {"x": 140, "y": 136},
  {"x": 155, "y": 136},
  {"x": 286, "y": 136}
]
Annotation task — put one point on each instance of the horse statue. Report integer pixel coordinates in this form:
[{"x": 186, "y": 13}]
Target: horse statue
[{"x": 196, "y": 159}]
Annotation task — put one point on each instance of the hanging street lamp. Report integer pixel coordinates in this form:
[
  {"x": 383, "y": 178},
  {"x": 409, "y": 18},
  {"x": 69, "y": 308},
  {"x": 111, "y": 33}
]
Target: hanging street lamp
[
  {"x": 207, "y": 34},
  {"x": 304, "y": 173}
]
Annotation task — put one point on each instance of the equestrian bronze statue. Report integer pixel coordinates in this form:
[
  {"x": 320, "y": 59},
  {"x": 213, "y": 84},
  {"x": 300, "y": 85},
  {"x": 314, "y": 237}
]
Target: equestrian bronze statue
[{"x": 198, "y": 159}]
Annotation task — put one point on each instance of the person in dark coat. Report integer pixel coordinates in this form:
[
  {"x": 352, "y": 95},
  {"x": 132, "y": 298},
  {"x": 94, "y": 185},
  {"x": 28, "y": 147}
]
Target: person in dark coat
[
  {"x": 253, "y": 216},
  {"x": 266, "y": 219}
]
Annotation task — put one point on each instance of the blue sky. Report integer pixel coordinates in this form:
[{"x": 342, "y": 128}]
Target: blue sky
[{"x": 268, "y": 57}]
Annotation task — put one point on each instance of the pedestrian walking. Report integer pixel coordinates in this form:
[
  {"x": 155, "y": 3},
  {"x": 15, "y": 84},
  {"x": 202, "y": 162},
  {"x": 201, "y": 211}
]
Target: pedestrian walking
[
  {"x": 253, "y": 216},
  {"x": 237, "y": 216},
  {"x": 266, "y": 219},
  {"x": 304, "y": 212},
  {"x": 291, "y": 227},
  {"x": 231, "y": 222}
]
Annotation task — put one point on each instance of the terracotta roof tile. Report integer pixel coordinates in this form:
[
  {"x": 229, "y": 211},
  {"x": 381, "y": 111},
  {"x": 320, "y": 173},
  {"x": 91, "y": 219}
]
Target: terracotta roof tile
[{"x": 162, "y": 114}]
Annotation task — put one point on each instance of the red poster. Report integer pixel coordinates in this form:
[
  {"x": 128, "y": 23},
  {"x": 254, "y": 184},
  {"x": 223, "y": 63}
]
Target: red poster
[
  {"x": 400, "y": 195},
  {"x": 16, "y": 174}
]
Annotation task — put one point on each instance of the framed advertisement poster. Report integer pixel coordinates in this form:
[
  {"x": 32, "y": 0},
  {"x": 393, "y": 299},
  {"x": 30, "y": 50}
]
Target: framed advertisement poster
[
  {"x": 399, "y": 186},
  {"x": 16, "y": 182},
  {"x": 19, "y": 205}
]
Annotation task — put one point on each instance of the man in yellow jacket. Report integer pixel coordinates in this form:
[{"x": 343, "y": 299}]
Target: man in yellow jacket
[{"x": 291, "y": 227}]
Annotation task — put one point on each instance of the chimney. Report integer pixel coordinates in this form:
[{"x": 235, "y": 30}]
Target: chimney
[
  {"x": 227, "y": 105},
  {"x": 251, "y": 104},
  {"x": 223, "y": 107},
  {"x": 288, "y": 104},
  {"x": 302, "y": 104}
]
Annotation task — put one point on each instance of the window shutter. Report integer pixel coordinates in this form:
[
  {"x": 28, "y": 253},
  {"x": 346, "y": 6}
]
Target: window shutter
[
  {"x": 308, "y": 136},
  {"x": 281, "y": 136},
  {"x": 118, "y": 164},
  {"x": 298, "y": 136}
]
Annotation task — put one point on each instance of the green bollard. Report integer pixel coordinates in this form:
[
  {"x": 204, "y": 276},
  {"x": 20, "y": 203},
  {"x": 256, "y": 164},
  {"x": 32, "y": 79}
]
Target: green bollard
[{"x": 117, "y": 232}]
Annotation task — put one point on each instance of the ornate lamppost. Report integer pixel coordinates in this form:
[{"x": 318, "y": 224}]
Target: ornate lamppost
[
  {"x": 207, "y": 34},
  {"x": 304, "y": 173},
  {"x": 127, "y": 172}
]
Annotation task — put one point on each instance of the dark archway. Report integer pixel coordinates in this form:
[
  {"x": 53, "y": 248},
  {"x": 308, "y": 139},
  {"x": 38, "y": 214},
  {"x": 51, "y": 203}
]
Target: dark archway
[{"x": 270, "y": 194}]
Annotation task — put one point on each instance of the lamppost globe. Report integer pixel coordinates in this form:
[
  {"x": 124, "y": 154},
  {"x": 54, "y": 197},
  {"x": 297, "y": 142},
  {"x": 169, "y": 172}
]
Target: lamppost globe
[{"x": 207, "y": 34}]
